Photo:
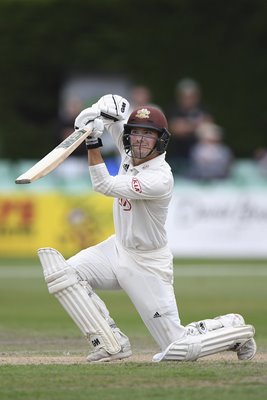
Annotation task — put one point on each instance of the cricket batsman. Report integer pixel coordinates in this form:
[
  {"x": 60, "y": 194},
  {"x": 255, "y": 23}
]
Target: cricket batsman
[{"x": 137, "y": 258}]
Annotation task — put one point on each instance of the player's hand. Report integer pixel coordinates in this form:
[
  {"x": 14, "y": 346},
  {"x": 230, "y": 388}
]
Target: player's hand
[
  {"x": 87, "y": 115},
  {"x": 113, "y": 106},
  {"x": 93, "y": 141},
  {"x": 98, "y": 128}
]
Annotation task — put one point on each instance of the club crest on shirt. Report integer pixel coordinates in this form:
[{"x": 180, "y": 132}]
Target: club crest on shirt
[
  {"x": 125, "y": 167},
  {"x": 143, "y": 113},
  {"x": 136, "y": 185},
  {"x": 125, "y": 204}
]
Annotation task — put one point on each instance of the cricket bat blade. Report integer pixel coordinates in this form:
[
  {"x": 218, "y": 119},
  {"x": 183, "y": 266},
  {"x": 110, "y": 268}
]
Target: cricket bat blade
[{"x": 53, "y": 159}]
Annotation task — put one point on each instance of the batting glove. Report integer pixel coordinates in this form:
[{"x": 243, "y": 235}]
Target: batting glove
[
  {"x": 87, "y": 115},
  {"x": 113, "y": 107},
  {"x": 93, "y": 141}
]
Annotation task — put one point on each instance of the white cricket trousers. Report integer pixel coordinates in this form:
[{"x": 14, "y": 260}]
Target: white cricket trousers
[{"x": 146, "y": 277}]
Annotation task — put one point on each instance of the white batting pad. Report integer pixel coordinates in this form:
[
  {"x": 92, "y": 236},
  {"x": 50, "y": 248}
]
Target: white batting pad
[
  {"x": 190, "y": 348},
  {"x": 62, "y": 281}
]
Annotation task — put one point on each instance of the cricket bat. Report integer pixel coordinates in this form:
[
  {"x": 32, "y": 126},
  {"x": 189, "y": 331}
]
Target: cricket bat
[{"x": 53, "y": 159}]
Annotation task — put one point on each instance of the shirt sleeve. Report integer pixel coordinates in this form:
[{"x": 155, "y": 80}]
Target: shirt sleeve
[
  {"x": 115, "y": 129},
  {"x": 144, "y": 186}
]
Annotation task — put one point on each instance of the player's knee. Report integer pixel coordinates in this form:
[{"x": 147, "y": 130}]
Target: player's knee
[
  {"x": 60, "y": 280},
  {"x": 58, "y": 274}
]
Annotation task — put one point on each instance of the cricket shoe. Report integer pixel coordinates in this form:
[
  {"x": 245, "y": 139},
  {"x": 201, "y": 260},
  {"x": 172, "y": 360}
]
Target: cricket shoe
[
  {"x": 101, "y": 355},
  {"x": 245, "y": 351}
]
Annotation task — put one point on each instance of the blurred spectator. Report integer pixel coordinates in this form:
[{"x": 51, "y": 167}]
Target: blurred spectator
[
  {"x": 140, "y": 96},
  {"x": 74, "y": 166},
  {"x": 261, "y": 160},
  {"x": 184, "y": 118},
  {"x": 209, "y": 157},
  {"x": 68, "y": 112}
]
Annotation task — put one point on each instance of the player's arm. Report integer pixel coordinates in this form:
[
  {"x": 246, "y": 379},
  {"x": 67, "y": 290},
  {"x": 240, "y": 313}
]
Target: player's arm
[
  {"x": 95, "y": 157},
  {"x": 144, "y": 186}
]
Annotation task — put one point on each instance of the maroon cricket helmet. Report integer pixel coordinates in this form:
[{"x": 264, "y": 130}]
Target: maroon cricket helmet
[{"x": 150, "y": 118}]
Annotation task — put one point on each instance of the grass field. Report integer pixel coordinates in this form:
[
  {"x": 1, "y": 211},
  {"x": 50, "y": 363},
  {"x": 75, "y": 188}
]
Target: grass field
[{"x": 42, "y": 353}]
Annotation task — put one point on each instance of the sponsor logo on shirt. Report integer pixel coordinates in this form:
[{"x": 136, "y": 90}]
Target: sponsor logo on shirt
[
  {"x": 136, "y": 185},
  {"x": 125, "y": 204}
]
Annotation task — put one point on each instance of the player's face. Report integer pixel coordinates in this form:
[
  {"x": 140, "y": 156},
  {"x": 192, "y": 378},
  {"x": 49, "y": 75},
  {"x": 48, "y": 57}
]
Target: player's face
[{"x": 142, "y": 142}]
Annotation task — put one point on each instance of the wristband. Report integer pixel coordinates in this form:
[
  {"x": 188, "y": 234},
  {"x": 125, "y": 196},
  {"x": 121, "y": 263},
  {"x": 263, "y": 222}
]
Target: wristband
[{"x": 93, "y": 144}]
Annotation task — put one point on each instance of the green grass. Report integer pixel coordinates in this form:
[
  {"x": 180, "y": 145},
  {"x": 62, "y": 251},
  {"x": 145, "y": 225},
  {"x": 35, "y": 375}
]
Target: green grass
[
  {"x": 32, "y": 323},
  {"x": 135, "y": 381}
]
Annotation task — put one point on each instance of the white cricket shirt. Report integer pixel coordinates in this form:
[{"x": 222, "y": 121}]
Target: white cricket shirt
[{"x": 141, "y": 197}]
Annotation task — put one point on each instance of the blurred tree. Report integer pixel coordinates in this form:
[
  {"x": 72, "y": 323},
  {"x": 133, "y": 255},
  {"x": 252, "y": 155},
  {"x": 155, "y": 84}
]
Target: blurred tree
[{"x": 222, "y": 45}]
